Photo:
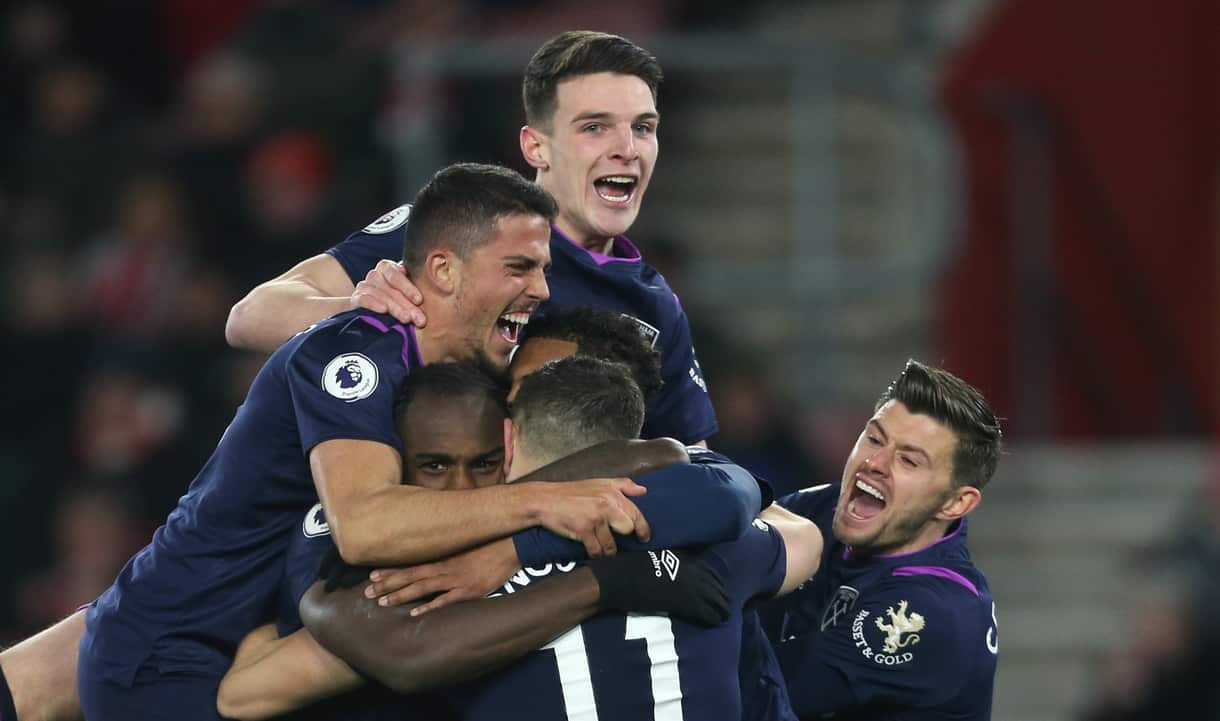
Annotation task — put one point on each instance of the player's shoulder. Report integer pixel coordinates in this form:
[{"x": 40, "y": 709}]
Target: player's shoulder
[
  {"x": 354, "y": 330},
  {"x": 699, "y": 454},
  {"x": 353, "y": 350},
  {"x": 812, "y": 501},
  {"x": 381, "y": 238},
  {"x": 382, "y": 230},
  {"x": 948, "y": 599}
]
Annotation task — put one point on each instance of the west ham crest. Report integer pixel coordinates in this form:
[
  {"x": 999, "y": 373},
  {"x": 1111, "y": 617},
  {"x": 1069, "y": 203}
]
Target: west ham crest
[{"x": 840, "y": 605}]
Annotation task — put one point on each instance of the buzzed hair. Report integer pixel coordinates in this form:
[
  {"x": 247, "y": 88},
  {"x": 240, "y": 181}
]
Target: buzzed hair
[
  {"x": 452, "y": 380},
  {"x": 576, "y": 402},
  {"x": 580, "y": 52},
  {"x": 606, "y": 335},
  {"x": 458, "y": 210},
  {"x": 953, "y": 402}
]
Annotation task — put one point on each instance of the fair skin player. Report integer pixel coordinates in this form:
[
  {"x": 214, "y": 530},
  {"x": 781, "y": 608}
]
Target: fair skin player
[
  {"x": 907, "y": 459},
  {"x": 604, "y": 126},
  {"x": 466, "y": 298}
]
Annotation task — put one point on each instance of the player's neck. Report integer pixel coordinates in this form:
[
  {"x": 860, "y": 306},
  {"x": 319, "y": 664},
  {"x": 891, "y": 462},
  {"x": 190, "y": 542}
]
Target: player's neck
[
  {"x": 435, "y": 339},
  {"x": 932, "y": 532},
  {"x": 605, "y": 246},
  {"x": 526, "y": 461}
]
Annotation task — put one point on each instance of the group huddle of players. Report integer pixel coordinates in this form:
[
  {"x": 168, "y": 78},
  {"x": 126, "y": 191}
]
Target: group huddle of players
[{"x": 400, "y": 523}]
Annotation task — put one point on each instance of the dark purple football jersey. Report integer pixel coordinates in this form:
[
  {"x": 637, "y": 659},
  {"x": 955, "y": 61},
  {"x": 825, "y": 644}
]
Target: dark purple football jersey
[
  {"x": 212, "y": 571},
  {"x": 631, "y": 667},
  {"x": 620, "y": 282},
  {"x": 905, "y": 637}
]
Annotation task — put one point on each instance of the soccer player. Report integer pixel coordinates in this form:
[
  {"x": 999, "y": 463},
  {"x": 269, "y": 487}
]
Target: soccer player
[
  {"x": 460, "y": 447},
  {"x": 898, "y": 623},
  {"x": 591, "y": 136},
  {"x": 318, "y": 424},
  {"x": 612, "y": 666}
]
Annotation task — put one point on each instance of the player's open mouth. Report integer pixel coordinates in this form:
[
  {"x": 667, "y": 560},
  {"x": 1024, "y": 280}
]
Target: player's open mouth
[
  {"x": 510, "y": 324},
  {"x": 618, "y": 189},
  {"x": 866, "y": 500}
]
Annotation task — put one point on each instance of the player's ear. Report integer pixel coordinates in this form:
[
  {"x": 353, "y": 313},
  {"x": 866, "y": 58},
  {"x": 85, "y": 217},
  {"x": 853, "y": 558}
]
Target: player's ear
[
  {"x": 963, "y": 500},
  {"x": 534, "y": 148},
  {"x": 443, "y": 270},
  {"x": 509, "y": 435}
]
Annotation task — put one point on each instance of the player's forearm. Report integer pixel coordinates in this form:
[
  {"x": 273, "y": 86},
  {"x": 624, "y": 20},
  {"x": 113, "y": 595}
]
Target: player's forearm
[
  {"x": 278, "y": 675},
  {"x": 41, "y": 672},
  {"x": 405, "y": 525},
  {"x": 276, "y": 310},
  {"x": 614, "y": 458},
  {"x": 686, "y": 505},
  {"x": 451, "y": 644}
]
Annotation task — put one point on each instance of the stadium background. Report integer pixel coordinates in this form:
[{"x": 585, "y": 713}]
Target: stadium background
[{"x": 1022, "y": 190}]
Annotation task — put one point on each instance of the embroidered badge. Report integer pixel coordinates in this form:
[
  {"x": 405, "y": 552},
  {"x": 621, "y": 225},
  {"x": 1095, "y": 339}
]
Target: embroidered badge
[
  {"x": 839, "y": 606},
  {"x": 350, "y": 377},
  {"x": 900, "y": 625},
  {"x": 389, "y": 222}
]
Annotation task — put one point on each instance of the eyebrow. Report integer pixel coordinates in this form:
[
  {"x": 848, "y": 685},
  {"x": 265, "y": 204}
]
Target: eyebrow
[
  {"x": 433, "y": 457},
  {"x": 603, "y": 115},
  {"x": 902, "y": 446}
]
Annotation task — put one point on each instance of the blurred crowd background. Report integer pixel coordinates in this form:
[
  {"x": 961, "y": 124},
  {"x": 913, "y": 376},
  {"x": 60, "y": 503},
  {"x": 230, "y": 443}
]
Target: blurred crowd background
[{"x": 1025, "y": 191}]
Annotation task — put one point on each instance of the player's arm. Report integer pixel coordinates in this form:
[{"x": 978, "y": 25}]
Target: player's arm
[
  {"x": 41, "y": 671},
  {"x": 377, "y": 521},
  {"x": 631, "y": 458},
  {"x": 313, "y": 289},
  {"x": 686, "y": 505},
  {"x": 803, "y": 543},
  {"x": 272, "y": 675},
  {"x": 410, "y": 653}
]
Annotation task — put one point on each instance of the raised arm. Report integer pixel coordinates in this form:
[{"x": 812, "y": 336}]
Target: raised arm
[
  {"x": 311, "y": 290},
  {"x": 315, "y": 289},
  {"x": 803, "y": 541}
]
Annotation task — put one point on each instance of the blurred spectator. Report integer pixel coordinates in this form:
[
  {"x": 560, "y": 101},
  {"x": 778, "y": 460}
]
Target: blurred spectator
[
  {"x": 289, "y": 183},
  {"x": 134, "y": 270},
  {"x": 73, "y": 151},
  {"x": 757, "y": 429},
  {"x": 93, "y": 536},
  {"x": 217, "y": 122}
]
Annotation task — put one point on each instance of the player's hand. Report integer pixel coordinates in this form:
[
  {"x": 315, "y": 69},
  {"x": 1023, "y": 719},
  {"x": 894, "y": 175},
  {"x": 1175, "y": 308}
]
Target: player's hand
[
  {"x": 672, "y": 581},
  {"x": 592, "y": 511},
  {"x": 461, "y": 577},
  {"x": 386, "y": 289}
]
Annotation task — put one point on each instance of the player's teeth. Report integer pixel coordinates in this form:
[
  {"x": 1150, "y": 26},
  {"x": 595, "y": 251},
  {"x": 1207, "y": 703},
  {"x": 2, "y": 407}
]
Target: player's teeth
[{"x": 870, "y": 490}]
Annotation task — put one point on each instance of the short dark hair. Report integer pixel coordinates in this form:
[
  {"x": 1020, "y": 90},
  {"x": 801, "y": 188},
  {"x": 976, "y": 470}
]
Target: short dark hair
[
  {"x": 575, "y": 402},
  {"x": 944, "y": 397},
  {"x": 606, "y": 335},
  {"x": 580, "y": 52},
  {"x": 459, "y": 207},
  {"x": 452, "y": 380}
]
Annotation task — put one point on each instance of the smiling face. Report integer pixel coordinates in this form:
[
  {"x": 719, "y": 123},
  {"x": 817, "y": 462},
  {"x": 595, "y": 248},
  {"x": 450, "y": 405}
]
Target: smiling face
[
  {"x": 452, "y": 443},
  {"x": 598, "y": 154},
  {"x": 499, "y": 286},
  {"x": 897, "y": 484}
]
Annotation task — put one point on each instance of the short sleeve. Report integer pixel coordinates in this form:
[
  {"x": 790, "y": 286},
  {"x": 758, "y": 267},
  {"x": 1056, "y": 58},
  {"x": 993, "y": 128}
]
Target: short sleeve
[
  {"x": 383, "y": 238},
  {"x": 682, "y": 408},
  {"x": 310, "y": 541},
  {"x": 344, "y": 381}
]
